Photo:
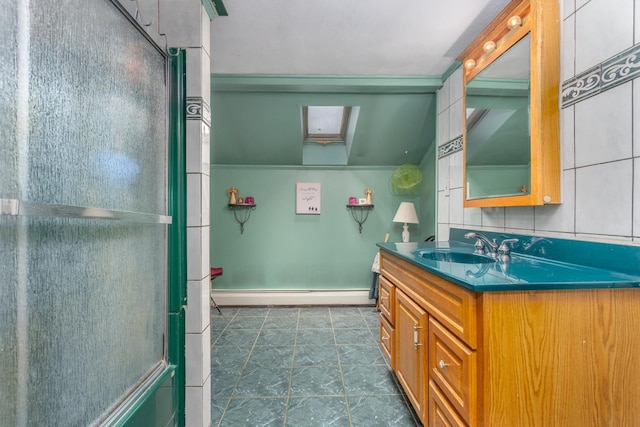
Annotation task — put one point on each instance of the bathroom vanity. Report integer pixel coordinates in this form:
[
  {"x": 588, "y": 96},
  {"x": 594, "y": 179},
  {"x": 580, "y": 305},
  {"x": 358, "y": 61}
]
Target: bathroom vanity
[{"x": 532, "y": 341}]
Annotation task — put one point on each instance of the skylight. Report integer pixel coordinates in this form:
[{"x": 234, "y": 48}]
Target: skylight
[{"x": 325, "y": 124}]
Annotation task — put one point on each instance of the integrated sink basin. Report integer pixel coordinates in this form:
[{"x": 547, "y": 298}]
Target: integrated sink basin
[{"x": 447, "y": 255}]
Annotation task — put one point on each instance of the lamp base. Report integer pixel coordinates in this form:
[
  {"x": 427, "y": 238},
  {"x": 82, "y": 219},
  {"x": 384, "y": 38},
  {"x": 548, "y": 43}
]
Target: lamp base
[{"x": 405, "y": 233}]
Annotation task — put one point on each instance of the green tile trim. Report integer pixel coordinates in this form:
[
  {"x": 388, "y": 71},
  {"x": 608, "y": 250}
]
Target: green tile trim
[
  {"x": 208, "y": 6},
  {"x": 220, "y": 8},
  {"x": 214, "y": 7}
]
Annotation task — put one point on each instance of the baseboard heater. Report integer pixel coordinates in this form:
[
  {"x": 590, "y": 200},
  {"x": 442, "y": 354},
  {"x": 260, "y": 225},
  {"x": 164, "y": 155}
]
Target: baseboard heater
[{"x": 229, "y": 297}]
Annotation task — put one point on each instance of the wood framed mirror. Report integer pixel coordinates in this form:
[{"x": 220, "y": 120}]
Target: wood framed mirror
[{"x": 511, "y": 123}]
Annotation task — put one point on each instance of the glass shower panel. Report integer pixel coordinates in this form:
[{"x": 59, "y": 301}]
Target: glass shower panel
[
  {"x": 84, "y": 334},
  {"x": 8, "y": 321},
  {"x": 82, "y": 123},
  {"x": 97, "y": 118},
  {"x": 8, "y": 98},
  {"x": 8, "y": 188}
]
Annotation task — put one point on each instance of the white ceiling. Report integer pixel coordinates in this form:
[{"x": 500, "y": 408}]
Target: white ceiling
[{"x": 346, "y": 37}]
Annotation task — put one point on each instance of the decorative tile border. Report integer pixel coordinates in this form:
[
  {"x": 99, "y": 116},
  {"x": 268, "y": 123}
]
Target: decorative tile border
[
  {"x": 613, "y": 72},
  {"x": 194, "y": 108},
  {"x": 198, "y": 109},
  {"x": 450, "y": 147}
]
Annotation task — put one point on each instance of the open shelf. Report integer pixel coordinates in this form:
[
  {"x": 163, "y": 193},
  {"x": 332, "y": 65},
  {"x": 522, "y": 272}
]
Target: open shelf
[{"x": 360, "y": 213}]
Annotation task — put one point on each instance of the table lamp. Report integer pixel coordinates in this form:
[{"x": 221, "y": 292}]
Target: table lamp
[{"x": 406, "y": 214}]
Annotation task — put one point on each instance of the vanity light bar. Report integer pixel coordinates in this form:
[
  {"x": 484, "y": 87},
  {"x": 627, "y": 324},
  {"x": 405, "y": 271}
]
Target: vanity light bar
[{"x": 489, "y": 46}]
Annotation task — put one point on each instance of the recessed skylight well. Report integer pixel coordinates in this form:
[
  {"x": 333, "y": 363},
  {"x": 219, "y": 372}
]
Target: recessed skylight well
[{"x": 325, "y": 124}]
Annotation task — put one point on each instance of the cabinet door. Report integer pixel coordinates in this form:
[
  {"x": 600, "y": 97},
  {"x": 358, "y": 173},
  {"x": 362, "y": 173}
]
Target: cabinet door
[{"x": 411, "y": 350}]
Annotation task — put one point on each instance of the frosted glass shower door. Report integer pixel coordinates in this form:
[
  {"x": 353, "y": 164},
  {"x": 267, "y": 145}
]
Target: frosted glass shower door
[{"x": 83, "y": 211}]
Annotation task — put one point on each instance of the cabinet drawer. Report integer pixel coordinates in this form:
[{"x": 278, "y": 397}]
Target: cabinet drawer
[
  {"x": 387, "y": 295},
  {"x": 452, "y": 366},
  {"x": 454, "y": 306},
  {"x": 441, "y": 413},
  {"x": 387, "y": 340}
]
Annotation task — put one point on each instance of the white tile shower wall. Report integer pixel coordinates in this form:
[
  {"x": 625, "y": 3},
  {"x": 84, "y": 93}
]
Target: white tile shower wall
[
  {"x": 443, "y": 104},
  {"x": 603, "y": 126},
  {"x": 186, "y": 24},
  {"x": 600, "y": 145},
  {"x": 450, "y": 187},
  {"x": 197, "y": 403},
  {"x": 636, "y": 119},
  {"x": 196, "y": 321},
  {"x": 614, "y": 32}
]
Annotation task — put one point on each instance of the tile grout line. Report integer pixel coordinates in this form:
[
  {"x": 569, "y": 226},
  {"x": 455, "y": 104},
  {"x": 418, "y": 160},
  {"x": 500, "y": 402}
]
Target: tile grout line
[
  {"x": 293, "y": 358},
  {"x": 344, "y": 386},
  {"x": 233, "y": 390},
  {"x": 224, "y": 411}
]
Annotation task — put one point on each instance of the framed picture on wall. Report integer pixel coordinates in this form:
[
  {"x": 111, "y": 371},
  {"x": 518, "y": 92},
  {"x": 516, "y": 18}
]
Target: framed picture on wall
[{"x": 308, "y": 198}]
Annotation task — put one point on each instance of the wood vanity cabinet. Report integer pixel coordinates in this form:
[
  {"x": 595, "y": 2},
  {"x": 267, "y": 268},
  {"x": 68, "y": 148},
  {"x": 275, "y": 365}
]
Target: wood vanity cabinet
[
  {"x": 516, "y": 358},
  {"x": 411, "y": 350},
  {"x": 386, "y": 296}
]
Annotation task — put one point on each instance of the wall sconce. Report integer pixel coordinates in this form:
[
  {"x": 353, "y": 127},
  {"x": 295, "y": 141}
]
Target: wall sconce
[{"x": 406, "y": 214}]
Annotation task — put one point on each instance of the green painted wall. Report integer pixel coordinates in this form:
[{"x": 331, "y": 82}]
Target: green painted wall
[{"x": 282, "y": 250}]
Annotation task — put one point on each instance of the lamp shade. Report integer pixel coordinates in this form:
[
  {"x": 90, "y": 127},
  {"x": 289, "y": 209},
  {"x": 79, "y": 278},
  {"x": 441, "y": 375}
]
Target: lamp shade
[{"x": 406, "y": 213}]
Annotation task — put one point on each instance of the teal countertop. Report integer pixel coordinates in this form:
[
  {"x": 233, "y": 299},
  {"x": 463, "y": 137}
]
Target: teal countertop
[{"x": 522, "y": 272}]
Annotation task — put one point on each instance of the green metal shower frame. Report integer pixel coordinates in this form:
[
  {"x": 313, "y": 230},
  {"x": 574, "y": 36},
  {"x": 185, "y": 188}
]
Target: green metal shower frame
[{"x": 163, "y": 403}]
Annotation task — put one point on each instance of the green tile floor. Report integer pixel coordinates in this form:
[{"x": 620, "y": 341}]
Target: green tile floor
[{"x": 302, "y": 367}]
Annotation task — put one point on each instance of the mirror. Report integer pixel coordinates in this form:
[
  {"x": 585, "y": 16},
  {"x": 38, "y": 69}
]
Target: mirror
[
  {"x": 511, "y": 131},
  {"x": 498, "y": 150}
]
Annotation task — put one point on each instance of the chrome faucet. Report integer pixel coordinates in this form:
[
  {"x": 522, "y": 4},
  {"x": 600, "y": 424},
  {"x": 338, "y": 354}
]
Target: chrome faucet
[
  {"x": 504, "y": 249},
  {"x": 483, "y": 245}
]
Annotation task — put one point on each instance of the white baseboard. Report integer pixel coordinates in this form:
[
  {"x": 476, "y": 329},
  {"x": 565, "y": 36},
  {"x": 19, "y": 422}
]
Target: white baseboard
[{"x": 227, "y": 297}]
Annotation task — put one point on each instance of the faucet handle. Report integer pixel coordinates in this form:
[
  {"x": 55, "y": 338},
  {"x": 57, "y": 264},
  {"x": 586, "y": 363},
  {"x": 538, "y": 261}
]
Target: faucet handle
[
  {"x": 479, "y": 246},
  {"x": 504, "y": 249},
  {"x": 507, "y": 242}
]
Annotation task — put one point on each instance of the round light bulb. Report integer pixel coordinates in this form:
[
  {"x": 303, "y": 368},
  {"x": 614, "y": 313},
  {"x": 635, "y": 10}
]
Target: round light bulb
[
  {"x": 469, "y": 64},
  {"x": 514, "y": 21},
  {"x": 489, "y": 46}
]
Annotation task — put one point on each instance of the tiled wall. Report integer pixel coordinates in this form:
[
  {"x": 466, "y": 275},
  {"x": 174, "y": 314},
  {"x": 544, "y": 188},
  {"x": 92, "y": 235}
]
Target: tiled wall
[
  {"x": 186, "y": 24},
  {"x": 600, "y": 144}
]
